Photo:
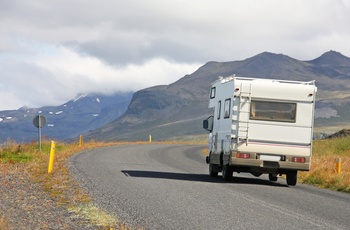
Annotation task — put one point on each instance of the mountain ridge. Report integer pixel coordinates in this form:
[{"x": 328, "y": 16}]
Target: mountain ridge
[
  {"x": 331, "y": 58},
  {"x": 183, "y": 104},
  {"x": 77, "y": 116},
  {"x": 177, "y": 110}
]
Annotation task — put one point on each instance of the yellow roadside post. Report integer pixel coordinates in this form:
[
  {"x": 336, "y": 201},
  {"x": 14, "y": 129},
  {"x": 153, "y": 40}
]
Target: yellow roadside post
[
  {"x": 338, "y": 165},
  {"x": 150, "y": 138},
  {"x": 81, "y": 140},
  {"x": 52, "y": 156}
]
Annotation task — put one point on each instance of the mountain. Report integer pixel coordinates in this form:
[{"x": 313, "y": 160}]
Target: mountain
[
  {"x": 177, "y": 110},
  {"x": 78, "y": 116},
  {"x": 331, "y": 59}
]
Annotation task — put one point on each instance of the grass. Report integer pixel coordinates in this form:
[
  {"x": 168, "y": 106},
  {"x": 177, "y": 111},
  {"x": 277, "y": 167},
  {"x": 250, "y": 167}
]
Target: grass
[
  {"x": 95, "y": 215},
  {"x": 13, "y": 153},
  {"x": 58, "y": 184},
  {"x": 323, "y": 171},
  {"x": 67, "y": 192}
]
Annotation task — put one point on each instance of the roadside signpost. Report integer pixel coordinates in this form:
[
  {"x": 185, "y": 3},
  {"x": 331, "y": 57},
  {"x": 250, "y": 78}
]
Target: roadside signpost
[{"x": 39, "y": 121}]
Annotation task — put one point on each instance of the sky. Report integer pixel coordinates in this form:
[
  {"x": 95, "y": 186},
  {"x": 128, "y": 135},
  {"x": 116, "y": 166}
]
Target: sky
[{"x": 51, "y": 51}]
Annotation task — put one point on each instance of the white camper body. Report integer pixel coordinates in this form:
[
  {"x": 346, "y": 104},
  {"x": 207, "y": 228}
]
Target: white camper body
[{"x": 260, "y": 126}]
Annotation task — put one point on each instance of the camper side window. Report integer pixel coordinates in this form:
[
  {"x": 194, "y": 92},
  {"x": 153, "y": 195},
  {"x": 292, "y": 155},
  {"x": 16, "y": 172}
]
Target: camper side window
[
  {"x": 273, "y": 111},
  {"x": 227, "y": 108},
  {"x": 219, "y": 109},
  {"x": 212, "y": 92}
]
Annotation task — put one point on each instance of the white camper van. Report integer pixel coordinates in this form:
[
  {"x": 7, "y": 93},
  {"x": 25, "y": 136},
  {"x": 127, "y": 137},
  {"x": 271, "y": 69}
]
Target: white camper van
[{"x": 260, "y": 126}]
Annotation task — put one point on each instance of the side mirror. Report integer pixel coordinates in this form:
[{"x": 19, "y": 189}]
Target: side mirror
[
  {"x": 208, "y": 124},
  {"x": 205, "y": 124}
]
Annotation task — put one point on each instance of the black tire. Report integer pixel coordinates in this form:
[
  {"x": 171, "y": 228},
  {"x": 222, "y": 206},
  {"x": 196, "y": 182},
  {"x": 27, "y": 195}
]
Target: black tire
[
  {"x": 212, "y": 171},
  {"x": 227, "y": 172},
  {"x": 273, "y": 177},
  {"x": 292, "y": 177}
]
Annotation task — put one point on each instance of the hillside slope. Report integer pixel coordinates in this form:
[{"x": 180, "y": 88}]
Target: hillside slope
[
  {"x": 178, "y": 109},
  {"x": 69, "y": 120}
]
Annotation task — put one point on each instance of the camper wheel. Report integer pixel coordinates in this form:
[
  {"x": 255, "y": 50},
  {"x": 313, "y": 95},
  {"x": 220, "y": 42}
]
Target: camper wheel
[
  {"x": 292, "y": 177},
  {"x": 273, "y": 177},
  {"x": 213, "y": 170},
  {"x": 227, "y": 171}
]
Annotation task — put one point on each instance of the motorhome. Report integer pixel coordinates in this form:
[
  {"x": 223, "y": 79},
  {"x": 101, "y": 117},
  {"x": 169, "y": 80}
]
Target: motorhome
[{"x": 260, "y": 126}]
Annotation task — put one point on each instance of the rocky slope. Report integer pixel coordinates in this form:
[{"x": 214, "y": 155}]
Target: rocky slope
[{"x": 178, "y": 109}]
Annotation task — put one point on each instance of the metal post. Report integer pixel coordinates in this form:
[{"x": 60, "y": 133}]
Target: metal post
[
  {"x": 52, "y": 156},
  {"x": 39, "y": 121},
  {"x": 39, "y": 132},
  {"x": 338, "y": 165}
]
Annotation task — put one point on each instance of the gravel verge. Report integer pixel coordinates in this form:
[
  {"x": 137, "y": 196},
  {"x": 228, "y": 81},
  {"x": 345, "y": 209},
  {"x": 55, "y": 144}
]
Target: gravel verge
[{"x": 24, "y": 205}]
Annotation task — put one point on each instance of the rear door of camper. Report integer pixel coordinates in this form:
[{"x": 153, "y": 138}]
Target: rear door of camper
[{"x": 274, "y": 113}]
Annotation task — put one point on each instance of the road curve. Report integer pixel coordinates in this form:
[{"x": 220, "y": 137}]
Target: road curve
[{"x": 158, "y": 186}]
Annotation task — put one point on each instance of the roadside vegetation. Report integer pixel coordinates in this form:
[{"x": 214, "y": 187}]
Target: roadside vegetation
[
  {"x": 67, "y": 192},
  {"x": 323, "y": 171},
  {"x": 58, "y": 184}
]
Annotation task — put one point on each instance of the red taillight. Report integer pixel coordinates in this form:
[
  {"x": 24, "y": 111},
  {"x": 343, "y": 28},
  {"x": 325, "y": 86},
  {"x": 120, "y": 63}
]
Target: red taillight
[
  {"x": 298, "y": 159},
  {"x": 243, "y": 155},
  {"x": 237, "y": 89}
]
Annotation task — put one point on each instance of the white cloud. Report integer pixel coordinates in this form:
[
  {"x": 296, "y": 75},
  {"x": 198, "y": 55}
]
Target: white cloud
[
  {"x": 89, "y": 74},
  {"x": 58, "y": 74},
  {"x": 51, "y": 51}
]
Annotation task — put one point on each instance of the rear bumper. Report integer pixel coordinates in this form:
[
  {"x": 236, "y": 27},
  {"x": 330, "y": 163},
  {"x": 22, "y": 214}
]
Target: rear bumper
[
  {"x": 256, "y": 165},
  {"x": 269, "y": 157}
]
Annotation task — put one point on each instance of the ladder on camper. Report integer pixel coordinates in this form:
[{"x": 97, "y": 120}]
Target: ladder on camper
[{"x": 244, "y": 112}]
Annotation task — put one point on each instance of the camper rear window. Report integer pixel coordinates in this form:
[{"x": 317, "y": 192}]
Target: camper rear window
[
  {"x": 219, "y": 110},
  {"x": 273, "y": 111},
  {"x": 212, "y": 92},
  {"x": 227, "y": 108}
]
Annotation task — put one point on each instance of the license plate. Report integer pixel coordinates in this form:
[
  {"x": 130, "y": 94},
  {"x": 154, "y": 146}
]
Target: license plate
[{"x": 270, "y": 158}]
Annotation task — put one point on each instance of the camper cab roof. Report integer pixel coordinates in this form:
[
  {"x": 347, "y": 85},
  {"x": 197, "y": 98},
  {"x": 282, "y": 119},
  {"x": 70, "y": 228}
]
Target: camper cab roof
[{"x": 268, "y": 88}]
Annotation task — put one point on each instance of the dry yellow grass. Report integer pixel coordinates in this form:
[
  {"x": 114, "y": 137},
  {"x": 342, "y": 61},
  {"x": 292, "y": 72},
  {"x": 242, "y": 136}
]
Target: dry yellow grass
[
  {"x": 58, "y": 183},
  {"x": 66, "y": 191},
  {"x": 3, "y": 223},
  {"x": 323, "y": 171}
]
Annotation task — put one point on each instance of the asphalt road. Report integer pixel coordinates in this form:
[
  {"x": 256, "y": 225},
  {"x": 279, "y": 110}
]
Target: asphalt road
[{"x": 168, "y": 187}]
